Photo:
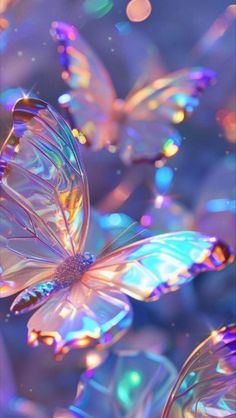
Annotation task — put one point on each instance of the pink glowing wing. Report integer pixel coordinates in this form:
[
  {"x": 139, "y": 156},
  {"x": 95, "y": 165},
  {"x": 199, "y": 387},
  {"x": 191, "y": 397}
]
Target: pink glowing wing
[
  {"x": 206, "y": 383},
  {"x": 80, "y": 318},
  {"x": 89, "y": 102},
  {"x": 147, "y": 133},
  {"x": 151, "y": 267},
  {"x": 44, "y": 200}
]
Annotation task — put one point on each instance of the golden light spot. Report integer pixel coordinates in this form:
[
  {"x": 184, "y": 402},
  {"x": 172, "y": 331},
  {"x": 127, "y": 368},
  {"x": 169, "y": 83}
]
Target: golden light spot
[
  {"x": 152, "y": 104},
  {"x": 178, "y": 117},
  {"x": 80, "y": 136}
]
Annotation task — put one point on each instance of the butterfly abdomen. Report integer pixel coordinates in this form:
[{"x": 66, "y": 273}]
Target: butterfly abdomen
[{"x": 34, "y": 296}]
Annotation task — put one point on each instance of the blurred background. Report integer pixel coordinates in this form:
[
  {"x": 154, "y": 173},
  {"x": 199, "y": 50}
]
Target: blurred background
[{"x": 174, "y": 35}]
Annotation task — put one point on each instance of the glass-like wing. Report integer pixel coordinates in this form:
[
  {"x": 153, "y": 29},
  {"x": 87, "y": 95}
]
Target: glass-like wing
[
  {"x": 130, "y": 384},
  {"x": 206, "y": 383},
  {"x": 154, "y": 266},
  {"x": 171, "y": 98},
  {"x": 89, "y": 102},
  {"x": 44, "y": 197},
  {"x": 147, "y": 134},
  {"x": 82, "y": 317}
]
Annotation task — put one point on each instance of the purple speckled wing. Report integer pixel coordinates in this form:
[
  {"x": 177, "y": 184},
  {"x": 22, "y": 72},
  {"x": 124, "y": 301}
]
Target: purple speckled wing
[
  {"x": 44, "y": 199},
  {"x": 206, "y": 383},
  {"x": 157, "y": 265},
  {"x": 147, "y": 133},
  {"x": 89, "y": 102}
]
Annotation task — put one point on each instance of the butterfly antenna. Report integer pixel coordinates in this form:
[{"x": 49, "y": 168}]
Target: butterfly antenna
[{"x": 122, "y": 233}]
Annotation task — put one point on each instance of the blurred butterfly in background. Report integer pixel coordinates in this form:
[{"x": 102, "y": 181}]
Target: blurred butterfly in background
[
  {"x": 206, "y": 384},
  {"x": 141, "y": 127},
  {"x": 140, "y": 384},
  {"x": 44, "y": 210},
  {"x": 11, "y": 405},
  {"x": 137, "y": 387}
]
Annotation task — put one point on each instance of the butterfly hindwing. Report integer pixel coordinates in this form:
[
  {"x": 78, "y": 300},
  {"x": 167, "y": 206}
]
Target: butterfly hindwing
[{"x": 148, "y": 133}]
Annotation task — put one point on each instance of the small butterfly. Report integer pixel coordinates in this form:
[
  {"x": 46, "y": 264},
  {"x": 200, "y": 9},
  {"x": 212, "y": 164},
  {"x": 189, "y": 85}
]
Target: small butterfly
[
  {"x": 140, "y": 127},
  {"x": 206, "y": 383},
  {"x": 44, "y": 210},
  {"x": 130, "y": 384}
]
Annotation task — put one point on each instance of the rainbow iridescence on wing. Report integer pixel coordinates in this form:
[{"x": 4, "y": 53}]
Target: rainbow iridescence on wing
[
  {"x": 129, "y": 384},
  {"x": 207, "y": 381}
]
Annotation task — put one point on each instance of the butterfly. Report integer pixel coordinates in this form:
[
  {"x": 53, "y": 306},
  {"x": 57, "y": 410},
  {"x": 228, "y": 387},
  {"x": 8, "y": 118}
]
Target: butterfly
[
  {"x": 130, "y": 384},
  {"x": 141, "y": 127},
  {"x": 206, "y": 383},
  {"x": 44, "y": 210}
]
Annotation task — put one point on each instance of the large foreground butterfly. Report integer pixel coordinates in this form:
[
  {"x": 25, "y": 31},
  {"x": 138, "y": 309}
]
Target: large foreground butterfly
[
  {"x": 141, "y": 127},
  {"x": 44, "y": 221}
]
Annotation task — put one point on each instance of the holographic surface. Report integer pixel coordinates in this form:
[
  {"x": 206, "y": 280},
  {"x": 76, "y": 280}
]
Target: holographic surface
[
  {"x": 206, "y": 383},
  {"x": 44, "y": 208},
  {"x": 140, "y": 127},
  {"x": 130, "y": 384}
]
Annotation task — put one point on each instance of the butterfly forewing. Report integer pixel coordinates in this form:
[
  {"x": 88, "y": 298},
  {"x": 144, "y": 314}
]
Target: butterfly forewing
[
  {"x": 43, "y": 192},
  {"x": 151, "y": 267},
  {"x": 89, "y": 102},
  {"x": 206, "y": 383}
]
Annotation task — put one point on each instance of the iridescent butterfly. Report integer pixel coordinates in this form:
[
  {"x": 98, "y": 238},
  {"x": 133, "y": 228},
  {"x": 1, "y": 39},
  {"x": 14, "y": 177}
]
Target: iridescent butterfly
[
  {"x": 44, "y": 221},
  {"x": 206, "y": 383},
  {"x": 141, "y": 127},
  {"x": 130, "y": 384}
]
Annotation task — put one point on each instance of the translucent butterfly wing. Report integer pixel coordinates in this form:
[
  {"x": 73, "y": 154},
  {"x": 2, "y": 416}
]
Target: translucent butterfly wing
[
  {"x": 136, "y": 388},
  {"x": 147, "y": 133},
  {"x": 44, "y": 199},
  {"x": 206, "y": 383},
  {"x": 170, "y": 98},
  {"x": 151, "y": 267},
  {"x": 83, "y": 317},
  {"x": 147, "y": 141},
  {"x": 90, "y": 99}
]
